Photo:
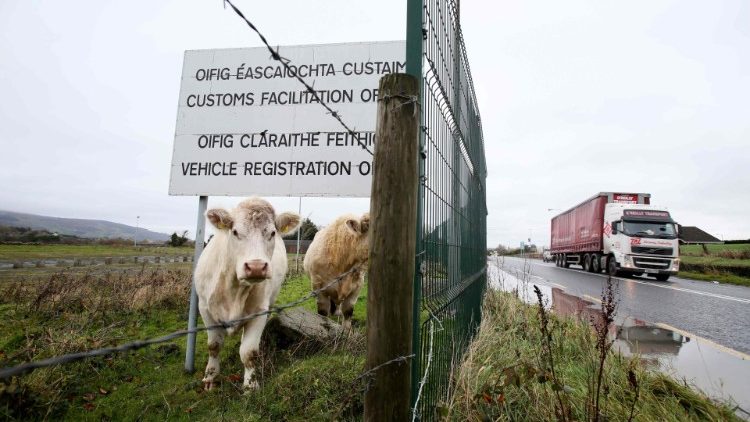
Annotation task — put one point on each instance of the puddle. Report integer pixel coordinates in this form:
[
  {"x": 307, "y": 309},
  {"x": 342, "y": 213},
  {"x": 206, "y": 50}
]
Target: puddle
[
  {"x": 716, "y": 371},
  {"x": 512, "y": 281}
]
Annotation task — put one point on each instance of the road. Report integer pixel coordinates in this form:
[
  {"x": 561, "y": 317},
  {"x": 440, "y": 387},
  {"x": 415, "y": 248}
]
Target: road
[{"x": 717, "y": 312}]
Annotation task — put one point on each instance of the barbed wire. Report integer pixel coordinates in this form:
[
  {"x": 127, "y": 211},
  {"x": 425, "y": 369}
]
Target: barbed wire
[
  {"x": 285, "y": 63},
  {"x": 376, "y": 368},
  {"x": 367, "y": 376},
  {"x": 8, "y": 372}
]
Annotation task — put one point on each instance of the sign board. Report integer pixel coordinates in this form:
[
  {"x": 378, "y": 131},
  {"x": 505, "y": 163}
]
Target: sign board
[
  {"x": 625, "y": 198},
  {"x": 247, "y": 126}
]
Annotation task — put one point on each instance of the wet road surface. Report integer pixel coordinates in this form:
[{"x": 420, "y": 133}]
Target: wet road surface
[{"x": 718, "y": 312}]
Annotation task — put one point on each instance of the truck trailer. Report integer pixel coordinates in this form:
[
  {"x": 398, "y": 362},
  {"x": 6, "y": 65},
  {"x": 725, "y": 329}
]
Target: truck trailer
[{"x": 620, "y": 233}]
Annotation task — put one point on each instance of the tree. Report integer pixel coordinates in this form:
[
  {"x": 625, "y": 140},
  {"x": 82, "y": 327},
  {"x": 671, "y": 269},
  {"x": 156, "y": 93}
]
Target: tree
[
  {"x": 307, "y": 230},
  {"x": 177, "y": 240}
]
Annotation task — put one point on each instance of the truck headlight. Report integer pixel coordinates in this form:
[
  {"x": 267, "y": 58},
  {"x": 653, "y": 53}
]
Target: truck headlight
[
  {"x": 676, "y": 264},
  {"x": 627, "y": 261}
]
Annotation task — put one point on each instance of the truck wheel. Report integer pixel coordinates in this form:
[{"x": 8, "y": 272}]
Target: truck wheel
[
  {"x": 557, "y": 260},
  {"x": 611, "y": 266},
  {"x": 662, "y": 277},
  {"x": 596, "y": 263},
  {"x": 565, "y": 263},
  {"x": 587, "y": 263}
]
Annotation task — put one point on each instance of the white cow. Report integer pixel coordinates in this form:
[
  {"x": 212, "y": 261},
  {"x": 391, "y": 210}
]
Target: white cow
[{"x": 239, "y": 273}]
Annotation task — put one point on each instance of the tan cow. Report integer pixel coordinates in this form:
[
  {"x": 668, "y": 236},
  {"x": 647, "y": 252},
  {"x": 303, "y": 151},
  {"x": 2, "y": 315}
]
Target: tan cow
[
  {"x": 336, "y": 249},
  {"x": 240, "y": 273}
]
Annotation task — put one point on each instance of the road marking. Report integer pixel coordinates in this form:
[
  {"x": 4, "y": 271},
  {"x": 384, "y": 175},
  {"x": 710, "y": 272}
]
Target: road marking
[
  {"x": 559, "y": 286},
  {"x": 592, "y": 298},
  {"x": 718, "y": 346},
  {"x": 646, "y": 283},
  {"x": 542, "y": 279}
]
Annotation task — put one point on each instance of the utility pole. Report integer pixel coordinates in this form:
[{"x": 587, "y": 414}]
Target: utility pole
[
  {"x": 135, "y": 237},
  {"x": 393, "y": 216}
]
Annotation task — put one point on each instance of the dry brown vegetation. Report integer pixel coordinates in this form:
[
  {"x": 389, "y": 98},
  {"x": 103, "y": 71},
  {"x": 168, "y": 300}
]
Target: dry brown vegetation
[
  {"x": 525, "y": 364},
  {"x": 102, "y": 293}
]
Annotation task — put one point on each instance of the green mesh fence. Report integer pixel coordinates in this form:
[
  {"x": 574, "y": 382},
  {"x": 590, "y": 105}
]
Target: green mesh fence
[{"x": 451, "y": 238}]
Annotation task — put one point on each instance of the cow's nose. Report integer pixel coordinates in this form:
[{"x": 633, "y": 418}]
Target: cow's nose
[{"x": 256, "y": 269}]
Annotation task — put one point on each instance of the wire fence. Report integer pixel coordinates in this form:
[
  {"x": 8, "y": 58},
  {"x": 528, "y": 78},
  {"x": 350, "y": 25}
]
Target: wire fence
[{"x": 451, "y": 277}]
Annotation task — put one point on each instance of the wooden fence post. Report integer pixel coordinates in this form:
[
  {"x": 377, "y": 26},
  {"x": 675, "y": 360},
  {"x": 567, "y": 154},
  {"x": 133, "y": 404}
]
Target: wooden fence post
[{"x": 393, "y": 216}]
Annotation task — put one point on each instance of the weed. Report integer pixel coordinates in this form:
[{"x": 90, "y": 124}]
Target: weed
[
  {"x": 547, "y": 358},
  {"x": 633, "y": 383},
  {"x": 602, "y": 324},
  {"x": 499, "y": 380}
]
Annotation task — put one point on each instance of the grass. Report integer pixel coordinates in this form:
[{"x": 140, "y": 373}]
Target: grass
[
  {"x": 714, "y": 261},
  {"x": 504, "y": 376},
  {"x": 298, "y": 285},
  {"x": 46, "y": 313},
  {"x": 78, "y": 311},
  {"x": 714, "y": 249},
  {"x": 716, "y": 276},
  {"x": 49, "y": 251},
  {"x": 723, "y": 263}
]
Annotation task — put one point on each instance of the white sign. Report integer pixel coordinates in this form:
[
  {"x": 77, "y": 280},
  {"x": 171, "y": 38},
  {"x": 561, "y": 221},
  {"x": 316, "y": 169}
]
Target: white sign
[{"x": 246, "y": 126}]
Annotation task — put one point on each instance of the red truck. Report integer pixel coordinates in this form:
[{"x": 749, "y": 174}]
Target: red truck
[{"x": 619, "y": 233}]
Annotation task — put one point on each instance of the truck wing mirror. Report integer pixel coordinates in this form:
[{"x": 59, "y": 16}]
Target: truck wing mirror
[{"x": 614, "y": 228}]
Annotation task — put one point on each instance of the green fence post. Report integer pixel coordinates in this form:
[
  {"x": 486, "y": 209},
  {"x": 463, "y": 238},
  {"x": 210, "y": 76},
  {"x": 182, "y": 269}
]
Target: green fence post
[{"x": 414, "y": 68}]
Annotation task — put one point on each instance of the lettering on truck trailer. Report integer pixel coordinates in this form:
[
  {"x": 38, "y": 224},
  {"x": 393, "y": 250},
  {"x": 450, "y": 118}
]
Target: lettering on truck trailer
[{"x": 625, "y": 198}]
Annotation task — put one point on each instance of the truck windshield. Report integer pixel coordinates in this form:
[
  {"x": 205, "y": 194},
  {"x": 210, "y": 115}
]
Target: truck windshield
[{"x": 649, "y": 229}]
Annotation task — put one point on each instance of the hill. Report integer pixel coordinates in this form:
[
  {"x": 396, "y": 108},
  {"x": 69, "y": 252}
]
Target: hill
[{"x": 91, "y": 229}]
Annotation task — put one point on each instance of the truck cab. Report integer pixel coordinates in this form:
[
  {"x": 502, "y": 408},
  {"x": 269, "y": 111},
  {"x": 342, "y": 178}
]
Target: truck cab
[{"x": 640, "y": 239}]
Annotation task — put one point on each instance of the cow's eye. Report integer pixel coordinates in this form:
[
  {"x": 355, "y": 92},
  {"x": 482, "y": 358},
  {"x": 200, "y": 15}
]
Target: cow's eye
[
  {"x": 234, "y": 232},
  {"x": 273, "y": 234}
]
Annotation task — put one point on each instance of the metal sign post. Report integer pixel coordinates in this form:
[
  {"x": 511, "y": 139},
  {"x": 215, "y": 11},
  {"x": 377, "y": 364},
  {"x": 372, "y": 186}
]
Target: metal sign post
[
  {"x": 299, "y": 236},
  {"x": 193, "y": 314}
]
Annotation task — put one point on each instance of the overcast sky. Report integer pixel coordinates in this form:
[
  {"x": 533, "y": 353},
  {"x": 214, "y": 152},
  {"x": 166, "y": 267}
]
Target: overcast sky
[{"x": 577, "y": 97}]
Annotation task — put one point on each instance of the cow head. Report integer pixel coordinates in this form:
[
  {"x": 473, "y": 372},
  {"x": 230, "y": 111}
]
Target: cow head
[
  {"x": 360, "y": 227},
  {"x": 251, "y": 231}
]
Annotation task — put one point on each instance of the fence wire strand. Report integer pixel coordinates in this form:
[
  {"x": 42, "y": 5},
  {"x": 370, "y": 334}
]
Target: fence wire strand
[
  {"x": 8, "y": 372},
  {"x": 285, "y": 62}
]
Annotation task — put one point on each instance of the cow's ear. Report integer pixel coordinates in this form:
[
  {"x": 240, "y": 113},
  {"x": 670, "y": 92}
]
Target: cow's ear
[
  {"x": 364, "y": 223},
  {"x": 220, "y": 218},
  {"x": 287, "y": 223},
  {"x": 353, "y": 225}
]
